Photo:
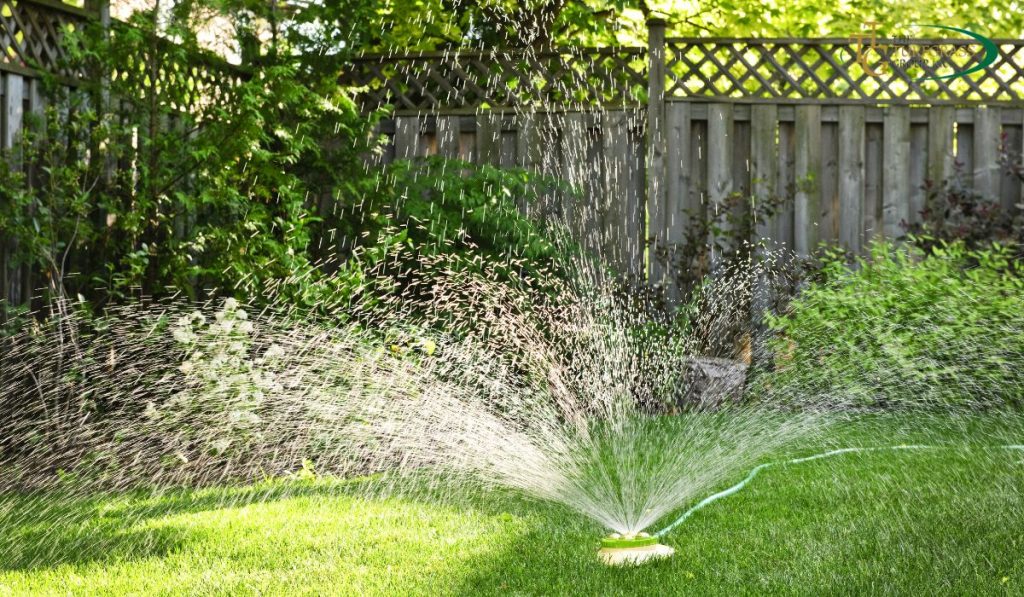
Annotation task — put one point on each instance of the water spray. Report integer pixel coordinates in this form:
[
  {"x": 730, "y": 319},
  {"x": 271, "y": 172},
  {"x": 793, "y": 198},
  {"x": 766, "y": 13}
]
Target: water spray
[{"x": 617, "y": 550}]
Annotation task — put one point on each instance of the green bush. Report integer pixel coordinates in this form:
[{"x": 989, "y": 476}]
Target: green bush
[
  {"x": 439, "y": 206},
  {"x": 900, "y": 328}
]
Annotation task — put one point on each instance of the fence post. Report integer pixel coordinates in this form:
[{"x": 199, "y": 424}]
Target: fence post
[{"x": 656, "y": 136}]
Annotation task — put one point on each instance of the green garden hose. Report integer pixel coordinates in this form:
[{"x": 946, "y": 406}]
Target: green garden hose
[{"x": 757, "y": 469}]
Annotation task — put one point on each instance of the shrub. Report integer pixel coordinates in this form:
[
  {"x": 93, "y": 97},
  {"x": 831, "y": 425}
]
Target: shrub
[
  {"x": 957, "y": 212},
  {"x": 903, "y": 328}
]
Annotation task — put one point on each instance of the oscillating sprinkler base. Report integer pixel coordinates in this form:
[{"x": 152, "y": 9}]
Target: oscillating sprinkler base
[{"x": 618, "y": 551}]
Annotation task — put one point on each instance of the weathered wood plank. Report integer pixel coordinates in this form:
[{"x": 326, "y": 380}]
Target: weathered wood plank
[
  {"x": 697, "y": 201},
  {"x": 636, "y": 205},
  {"x": 763, "y": 163},
  {"x": 918, "y": 171},
  {"x": 895, "y": 171},
  {"x": 963, "y": 162},
  {"x": 13, "y": 120},
  {"x": 851, "y": 176},
  {"x": 527, "y": 142},
  {"x": 720, "y": 166},
  {"x": 787, "y": 153},
  {"x": 828, "y": 229},
  {"x": 548, "y": 130},
  {"x": 407, "y": 137},
  {"x": 671, "y": 220},
  {"x": 656, "y": 138},
  {"x": 467, "y": 145},
  {"x": 872, "y": 181},
  {"x": 940, "y": 144},
  {"x": 1009, "y": 184},
  {"x": 741, "y": 171},
  {"x": 807, "y": 174},
  {"x": 508, "y": 149},
  {"x": 573, "y": 154},
  {"x": 447, "y": 133},
  {"x": 986, "y": 151},
  {"x": 13, "y": 110},
  {"x": 488, "y": 139},
  {"x": 615, "y": 150},
  {"x": 592, "y": 208}
]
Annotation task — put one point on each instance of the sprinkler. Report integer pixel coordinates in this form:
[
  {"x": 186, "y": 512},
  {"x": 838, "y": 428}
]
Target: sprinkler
[{"x": 617, "y": 549}]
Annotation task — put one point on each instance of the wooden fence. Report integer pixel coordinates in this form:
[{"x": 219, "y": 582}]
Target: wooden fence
[
  {"x": 651, "y": 135},
  {"x": 654, "y": 135}
]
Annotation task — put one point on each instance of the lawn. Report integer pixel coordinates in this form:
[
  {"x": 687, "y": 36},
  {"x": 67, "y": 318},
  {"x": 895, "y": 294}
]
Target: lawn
[{"x": 946, "y": 521}]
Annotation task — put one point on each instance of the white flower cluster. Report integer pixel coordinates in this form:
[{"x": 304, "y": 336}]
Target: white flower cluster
[{"x": 225, "y": 386}]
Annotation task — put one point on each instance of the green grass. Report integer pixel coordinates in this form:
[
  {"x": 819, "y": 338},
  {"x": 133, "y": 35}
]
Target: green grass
[{"x": 943, "y": 522}]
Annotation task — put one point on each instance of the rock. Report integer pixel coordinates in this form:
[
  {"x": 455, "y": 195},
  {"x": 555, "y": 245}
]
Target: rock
[{"x": 710, "y": 381}]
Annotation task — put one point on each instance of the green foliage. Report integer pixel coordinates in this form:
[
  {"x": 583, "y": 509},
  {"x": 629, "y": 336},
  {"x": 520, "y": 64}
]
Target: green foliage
[
  {"x": 166, "y": 190},
  {"x": 902, "y": 328},
  {"x": 716, "y": 236},
  {"x": 435, "y": 207},
  {"x": 436, "y": 24},
  {"x": 955, "y": 211},
  {"x": 45, "y": 210}
]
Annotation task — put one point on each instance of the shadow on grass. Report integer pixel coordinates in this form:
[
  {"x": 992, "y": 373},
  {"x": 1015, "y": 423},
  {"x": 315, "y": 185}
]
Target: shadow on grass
[
  {"x": 43, "y": 530},
  {"x": 47, "y": 529}
]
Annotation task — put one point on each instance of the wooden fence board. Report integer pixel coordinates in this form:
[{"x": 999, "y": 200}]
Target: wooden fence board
[
  {"x": 895, "y": 171},
  {"x": 872, "y": 182},
  {"x": 720, "y": 165},
  {"x": 807, "y": 175},
  {"x": 507, "y": 149},
  {"x": 636, "y": 205},
  {"x": 764, "y": 161},
  {"x": 697, "y": 202},
  {"x": 940, "y": 144},
  {"x": 918, "y": 170},
  {"x": 828, "y": 230},
  {"x": 594, "y": 185},
  {"x": 575, "y": 171},
  {"x": 615, "y": 139},
  {"x": 963, "y": 160},
  {"x": 488, "y": 138},
  {"x": 851, "y": 176},
  {"x": 987, "y": 122},
  {"x": 448, "y": 136},
  {"x": 785, "y": 189},
  {"x": 673, "y": 218},
  {"x": 407, "y": 137},
  {"x": 11, "y": 120},
  {"x": 1009, "y": 184},
  {"x": 741, "y": 170}
]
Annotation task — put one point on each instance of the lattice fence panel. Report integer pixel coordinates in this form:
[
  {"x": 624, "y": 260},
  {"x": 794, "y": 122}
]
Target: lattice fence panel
[
  {"x": 890, "y": 71},
  {"x": 32, "y": 39},
  {"x": 186, "y": 81},
  {"x": 31, "y": 34}
]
